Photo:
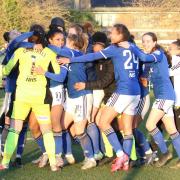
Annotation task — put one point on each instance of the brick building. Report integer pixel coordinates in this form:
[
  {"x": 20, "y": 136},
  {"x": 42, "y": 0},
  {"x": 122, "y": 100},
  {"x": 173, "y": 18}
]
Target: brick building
[{"x": 139, "y": 20}]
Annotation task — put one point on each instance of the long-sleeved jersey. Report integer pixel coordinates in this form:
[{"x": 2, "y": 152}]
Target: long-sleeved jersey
[
  {"x": 162, "y": 85},
  {"x": 16, "y": 43},
  {"x": 126, "y": 68},
  {"x": 76, "y": 72},
  {"x": 32, "y": 85}
]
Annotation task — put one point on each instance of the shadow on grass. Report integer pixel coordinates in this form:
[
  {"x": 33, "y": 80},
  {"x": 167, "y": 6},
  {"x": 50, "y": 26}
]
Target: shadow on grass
[{"x": 27, "y": 158}]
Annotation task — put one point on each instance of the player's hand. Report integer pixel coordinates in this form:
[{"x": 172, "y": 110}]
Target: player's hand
[
  {"x": 38, "y": 47},
  {"x": 143, "y": 81},
  {"x": 6, "y": 45},
  {"x": 39, "y": 70},
  {"x": 124, "y": 44},
  {"x": 62, "y": 61},
  {"x": 79, "y": 86}
]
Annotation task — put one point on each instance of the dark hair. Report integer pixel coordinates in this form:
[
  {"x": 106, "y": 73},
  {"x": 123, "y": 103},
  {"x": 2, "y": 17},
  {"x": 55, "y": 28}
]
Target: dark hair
[
  {"x": 122, "y": 29},
  {"x": 38, "y": 35},
  {"x": 78, "y": 41},
  {"x": 177, "y": 43},
  {"x": 131, "y": 39},
  {"x": 101, "y": 38},
  {"x": 6, "y": 36},
  {"x": 78, "y": 28},
  {"x": 154, "y": 38},
  {"x": 87, "y": 26},
  {"x": 51, "y": 33},
  {"x": 157, "y": 46},
  {"x": 57, "y": 22}
]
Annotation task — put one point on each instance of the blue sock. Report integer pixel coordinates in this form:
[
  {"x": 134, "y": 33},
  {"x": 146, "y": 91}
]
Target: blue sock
[
  {"x": 86, "y": 145},
  {"x": 92, "y": 131},
  {"x": 40, "y": 143},
  {"x": 141, "y": 142},
  {"x": 127, "y": 144},
  {"x": 112, "y": 137},
  {"x": 58, "y": 142},
  {"x": 76, "y": 140},
  {"x": 67, "y": 149},
  {"x": 21, "y": 141},
  {"x": 176, "y": 142},
  {"x": 159, "y": 140}
]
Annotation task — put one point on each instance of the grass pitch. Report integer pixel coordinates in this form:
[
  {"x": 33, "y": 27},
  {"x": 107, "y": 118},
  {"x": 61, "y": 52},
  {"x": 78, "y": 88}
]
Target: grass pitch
[{"x": 73, "y": 172}]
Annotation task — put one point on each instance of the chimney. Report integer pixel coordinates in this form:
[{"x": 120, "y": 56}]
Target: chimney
[
  {"x": 77, "y": 4},
  {"x": 82, "y": 4}
]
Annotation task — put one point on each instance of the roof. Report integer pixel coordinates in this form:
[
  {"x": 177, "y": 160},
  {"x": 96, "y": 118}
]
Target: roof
[{"x": 106, "y": 3}]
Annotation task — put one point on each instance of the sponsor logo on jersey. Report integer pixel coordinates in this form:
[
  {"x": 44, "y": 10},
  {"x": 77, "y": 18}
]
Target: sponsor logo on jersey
[
  {"x": 31, "y": 79},
  {"x": 132, "y": 74}
]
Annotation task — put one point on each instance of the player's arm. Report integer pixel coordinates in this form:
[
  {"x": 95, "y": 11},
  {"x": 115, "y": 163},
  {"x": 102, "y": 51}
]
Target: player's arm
[
  {"x": 64, "y": 52},
  {"x": 153, "y": 57},
  {"x": 11, "y": 64},
  {"x": 104, "y": 54},
  {"x": 58, "y": 77},
  {"x": 14, "y": 45},
  {"x": 54, "y": 66},
  {"x": 26, "y": 45}
]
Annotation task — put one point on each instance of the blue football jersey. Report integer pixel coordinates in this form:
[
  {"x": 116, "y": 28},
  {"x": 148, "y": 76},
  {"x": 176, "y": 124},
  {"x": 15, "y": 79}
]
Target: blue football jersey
[
  {"x": 162, "y": 85},
  {"x": 126, "y": 67},
  {"x": 144, "y": 71},
  {"x": 76, "y": 73}
]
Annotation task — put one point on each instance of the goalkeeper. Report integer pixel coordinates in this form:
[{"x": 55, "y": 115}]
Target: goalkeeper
[{"x": 32, "y": 94}]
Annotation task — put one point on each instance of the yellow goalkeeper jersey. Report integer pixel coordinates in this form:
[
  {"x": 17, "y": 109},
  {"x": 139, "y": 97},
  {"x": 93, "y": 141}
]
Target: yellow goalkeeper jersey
[{"x": 31, "y": 87}]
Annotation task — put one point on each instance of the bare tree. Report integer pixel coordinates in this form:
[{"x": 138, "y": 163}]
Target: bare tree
[
  {"x": 42, "y": 11},
  {"x": 20, "y": 14},
  {"x": 160, "y": 5}
]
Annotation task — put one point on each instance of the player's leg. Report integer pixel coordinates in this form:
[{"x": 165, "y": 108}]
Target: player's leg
[
  {"x": 56, "y": 112},
  {"x": 111, "y": 110},
  {"x": 7, "y": 108},
  {"x": 20, "y": 146},
  {"x": 97, "y": 99},
  {"x": 155, "y": 116},
  {"x": 170, "y": 126},
  {"x": 177, "y": 117},
  {"x": 66, "y": 121},
  {"x": 5, "y": 133},
  {"x": 37, "y": 135},
  {"x": 142, "y": 145},
  {"x": 106, "y": 147},
  {"x": 81, "y": 115},
  {"x": 133, "y": 155},
  {"x": 92, "y": 129},
  {"x": 58, "y": 94},
  {"x": 15, "y": 128},
  {"x": 42, "y": 113}
]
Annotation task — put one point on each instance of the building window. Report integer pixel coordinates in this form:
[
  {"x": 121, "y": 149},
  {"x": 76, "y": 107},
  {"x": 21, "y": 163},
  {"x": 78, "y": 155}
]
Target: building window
[{"x": 105, "y": 20}]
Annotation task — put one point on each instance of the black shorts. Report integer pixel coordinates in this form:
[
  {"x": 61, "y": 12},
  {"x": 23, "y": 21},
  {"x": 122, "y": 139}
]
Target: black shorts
[{"x": 177, "y": 118}]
